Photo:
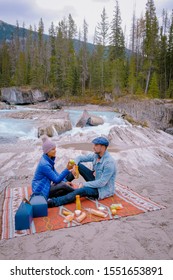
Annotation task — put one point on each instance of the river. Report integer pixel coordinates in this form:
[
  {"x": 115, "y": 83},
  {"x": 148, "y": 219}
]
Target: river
[{"x": 11, "y": 128}]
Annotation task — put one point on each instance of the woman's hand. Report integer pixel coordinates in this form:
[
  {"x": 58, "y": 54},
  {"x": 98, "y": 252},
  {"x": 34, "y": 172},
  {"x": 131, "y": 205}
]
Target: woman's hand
[{"x": 70, "y": 165}]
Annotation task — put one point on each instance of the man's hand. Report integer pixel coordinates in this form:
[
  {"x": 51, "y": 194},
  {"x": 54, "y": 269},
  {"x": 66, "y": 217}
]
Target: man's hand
[
  {"x": 74, "y": 170},
  {"x": 80, "y": 185},
  {"x": 70, "y": 184}
]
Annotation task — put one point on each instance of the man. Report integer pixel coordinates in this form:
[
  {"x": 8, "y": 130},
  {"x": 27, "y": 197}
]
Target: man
[{"x": 100, "y": 182}]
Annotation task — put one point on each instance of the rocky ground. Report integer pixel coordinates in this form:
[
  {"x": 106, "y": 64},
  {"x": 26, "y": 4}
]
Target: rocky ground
[{"x": 144, "y": 158}]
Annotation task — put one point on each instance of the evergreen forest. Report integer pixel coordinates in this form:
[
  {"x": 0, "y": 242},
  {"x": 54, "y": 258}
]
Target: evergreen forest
[{"x": 66, "y": 68}]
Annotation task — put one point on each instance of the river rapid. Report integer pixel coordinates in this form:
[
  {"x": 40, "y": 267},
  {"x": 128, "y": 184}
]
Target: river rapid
[{"x": 16, "y": 128}]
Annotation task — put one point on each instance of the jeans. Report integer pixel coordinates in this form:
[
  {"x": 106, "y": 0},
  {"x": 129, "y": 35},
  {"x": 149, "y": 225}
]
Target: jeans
[
  {"x": 60, "y": 189},
  {"x": 70, "y": 197},
  {"x": 87, "y": 174}
]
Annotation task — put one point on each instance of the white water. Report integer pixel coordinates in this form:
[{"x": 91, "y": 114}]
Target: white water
[
  {"x": 111, "y": 119},
  {"x": 10, "y": 128},
  {"x": 24, "y": 129}
]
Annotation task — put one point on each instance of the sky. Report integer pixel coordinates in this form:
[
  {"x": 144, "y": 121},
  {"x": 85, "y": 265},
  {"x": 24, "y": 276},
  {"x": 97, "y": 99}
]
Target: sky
[{"x": 30, "y": 12}]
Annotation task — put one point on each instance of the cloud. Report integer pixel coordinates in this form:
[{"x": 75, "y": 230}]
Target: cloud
[
  {"x": 17, "y": 8},
  {"x": 166, "y": 5},
  {"x": 101, "y": 1},
  {"x": 30, "y": 13}
]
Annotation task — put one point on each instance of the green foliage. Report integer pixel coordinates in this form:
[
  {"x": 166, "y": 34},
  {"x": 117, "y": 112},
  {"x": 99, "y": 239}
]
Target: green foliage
[
  {"x": 153, "y": 87},
  {"x": 5, "y": 67},
  {"x": 117, "y": 47},
  {"x": 68, "y": 67},
  {"x": 169, "y": 93}
]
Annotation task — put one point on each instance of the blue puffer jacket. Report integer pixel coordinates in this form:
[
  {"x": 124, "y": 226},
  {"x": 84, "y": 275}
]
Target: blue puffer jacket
[{"x": 45, "y": 174}]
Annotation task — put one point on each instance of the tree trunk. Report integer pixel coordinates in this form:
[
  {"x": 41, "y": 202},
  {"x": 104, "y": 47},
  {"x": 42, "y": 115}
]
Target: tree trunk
[{"x": 148, "y": 78}]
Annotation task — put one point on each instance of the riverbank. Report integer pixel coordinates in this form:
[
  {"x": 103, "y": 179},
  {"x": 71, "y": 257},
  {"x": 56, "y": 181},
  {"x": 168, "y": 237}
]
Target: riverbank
[{"x": 145, "y": 164}]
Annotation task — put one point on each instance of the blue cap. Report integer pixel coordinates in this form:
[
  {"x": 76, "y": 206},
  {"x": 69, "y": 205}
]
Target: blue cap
[{"x": 101, "y": 141}]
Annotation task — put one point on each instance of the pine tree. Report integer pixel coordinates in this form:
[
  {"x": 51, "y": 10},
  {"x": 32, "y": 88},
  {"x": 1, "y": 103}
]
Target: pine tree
[
  {"x": 151, "y": 40},
  {"x": 84, "y": 59},
  {"x": 41, "y": 67},
  {"x": 5, "y": 66},
  {"x": 52, "y": 54},
  {"x": 117, "y": 46},
  {"x": 72, "y": 69},
  {"x": 170, "y": 59},
  {"x": 132, "y": 60},
  {"x": 101, "y": 39},
  {"x": 154, "y": 87},
  {"x": 29, "y": 51},
  {"x": 162, "y": 64},
  {"x": 117, "y": 53}
]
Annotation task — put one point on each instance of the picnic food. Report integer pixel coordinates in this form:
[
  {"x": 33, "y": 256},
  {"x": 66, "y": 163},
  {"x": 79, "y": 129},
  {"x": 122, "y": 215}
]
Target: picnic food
[
  {"x": 113, "y": 211},
  {"x": 96, "y": 212},
  {"x": 71, "y": 161},
  {"x": 117, "y": 206},
  {"x": 66, "y": 213},
  {"x": 69, "y": 218},
  {"x": 81, "y": 217},
  {"x": 77, "y": 212},
  {"x": 101, "y": 208}
]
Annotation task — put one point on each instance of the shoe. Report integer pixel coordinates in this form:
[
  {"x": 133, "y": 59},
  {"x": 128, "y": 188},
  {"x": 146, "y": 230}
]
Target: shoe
[{"x": 50, "y": 203}]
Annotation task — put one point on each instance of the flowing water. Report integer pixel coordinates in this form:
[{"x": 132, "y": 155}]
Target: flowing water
[
  {"x": 110, "y": 119},
  {"x": 10, "y": 128}
]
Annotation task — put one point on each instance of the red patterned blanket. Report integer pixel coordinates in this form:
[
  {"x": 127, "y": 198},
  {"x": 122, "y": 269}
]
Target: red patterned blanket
[{"x": 132, "y": 203}]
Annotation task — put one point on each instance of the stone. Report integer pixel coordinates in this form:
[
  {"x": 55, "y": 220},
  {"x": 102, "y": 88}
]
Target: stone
[
  {"x": 169, "y": 130},
  {"x": 83, "y": 119},
  {"x": 158, "y": 114},
  {"x": 54, "y": 128},
  {"x": 87, "y": 119},
  {"x": 94, "y": 121},
  {"x": 19, "y": 96}
]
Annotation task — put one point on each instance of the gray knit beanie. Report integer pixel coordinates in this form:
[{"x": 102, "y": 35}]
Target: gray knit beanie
[{"x": 48, "y": 145}]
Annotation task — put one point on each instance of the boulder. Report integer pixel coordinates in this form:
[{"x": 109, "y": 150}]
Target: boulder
[
  {"x": 83, "y": 119},
  {"x": 54, "y": 105},
  {"x": 169, "y": 130},
  {"x": 4, "y": 106},
  {"x": 20, "y": 96},
  {"x": 15, "y": 96},
  {"x": 54, "y": 128},
  {"x": 48, "y": 130},
  {"x": 94, "y": 121},
  {"x": 39, "y": 96},
  {"x": 87, "y": 119},
  {"x": 62, "y": 126}
]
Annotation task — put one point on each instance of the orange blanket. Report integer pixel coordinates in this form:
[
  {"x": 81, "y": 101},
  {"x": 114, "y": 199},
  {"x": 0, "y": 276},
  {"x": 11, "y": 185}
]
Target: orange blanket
[{"x": 132, "y": 203}]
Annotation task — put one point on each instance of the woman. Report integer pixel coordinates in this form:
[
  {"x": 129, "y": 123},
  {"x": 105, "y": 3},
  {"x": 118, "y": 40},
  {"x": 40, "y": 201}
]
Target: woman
[{"x": 47, "y": 181}]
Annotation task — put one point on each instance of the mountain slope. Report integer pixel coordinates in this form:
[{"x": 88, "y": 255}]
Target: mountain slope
[{"x": 8, "y": 31}]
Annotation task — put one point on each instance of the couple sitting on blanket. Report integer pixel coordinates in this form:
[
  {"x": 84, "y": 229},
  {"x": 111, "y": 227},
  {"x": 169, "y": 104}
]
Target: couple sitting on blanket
[{"x": 58, "y": 188}]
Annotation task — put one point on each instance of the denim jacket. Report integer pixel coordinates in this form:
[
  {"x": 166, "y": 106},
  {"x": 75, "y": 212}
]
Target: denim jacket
[
  {"x": 45, "y": 174},
  {"x": 105, "y": 173}
]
